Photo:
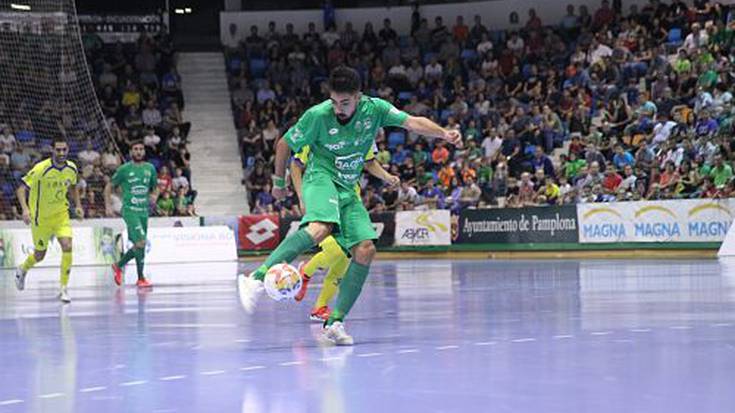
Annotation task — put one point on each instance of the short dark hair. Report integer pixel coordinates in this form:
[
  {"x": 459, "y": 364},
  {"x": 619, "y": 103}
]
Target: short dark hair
[
  {"x": 344, "y": 80},
  {"x": 58, "y": 139},
  {"x": 136, "y": 142}
]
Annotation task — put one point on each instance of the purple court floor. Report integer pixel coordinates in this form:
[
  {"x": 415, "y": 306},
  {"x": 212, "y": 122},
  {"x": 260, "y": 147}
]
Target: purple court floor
[{"x": 431, "y": 336}]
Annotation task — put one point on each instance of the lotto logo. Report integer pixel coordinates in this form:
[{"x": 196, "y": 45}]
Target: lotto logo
[{"x": 258, "y": 232}]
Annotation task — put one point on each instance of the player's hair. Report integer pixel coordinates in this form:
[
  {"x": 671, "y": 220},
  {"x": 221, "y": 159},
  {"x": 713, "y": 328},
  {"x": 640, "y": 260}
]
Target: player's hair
[
  {"x": 344, "y": 80},
  {"x": 58, "y": 139},
  {"x": 136, "y": 142}
]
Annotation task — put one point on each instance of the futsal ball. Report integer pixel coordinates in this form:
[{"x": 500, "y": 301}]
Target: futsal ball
[{"x": 282, "y": 282}]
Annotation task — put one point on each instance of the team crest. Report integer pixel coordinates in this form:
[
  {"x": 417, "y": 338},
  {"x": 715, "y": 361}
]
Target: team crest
[{"x": 333, "y": 131}]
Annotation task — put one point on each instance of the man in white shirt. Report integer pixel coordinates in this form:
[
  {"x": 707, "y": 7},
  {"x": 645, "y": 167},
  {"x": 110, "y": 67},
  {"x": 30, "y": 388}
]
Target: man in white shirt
[
  {"x": 151, "y": 115},
  {"x": 433, "y": 70},
  {"x": 7, "y": 141},
  {"x": 151, "y": 140},
  {"x": 662, "y": 130},
  {"x": 597, "y": 51},
  {"x": 696, "y": 39},
  {"x": 89, "y": 156},
  {"x": 485, "y": 45},
  {"x": 491, "y": 145},
  {"x": 415, "y": 72},
  {"x": 516, "y": 43}
]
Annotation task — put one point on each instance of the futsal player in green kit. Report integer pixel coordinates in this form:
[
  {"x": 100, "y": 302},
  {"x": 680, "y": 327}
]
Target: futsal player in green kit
[
  {"x": 138, "y": 181},
  {"x": 340, "y": 131}
]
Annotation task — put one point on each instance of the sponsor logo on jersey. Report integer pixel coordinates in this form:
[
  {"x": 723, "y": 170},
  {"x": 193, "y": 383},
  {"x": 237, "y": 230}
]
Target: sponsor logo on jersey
[
  {"x": 333, "y": 131},
  {"x": 335, "y": 146}
]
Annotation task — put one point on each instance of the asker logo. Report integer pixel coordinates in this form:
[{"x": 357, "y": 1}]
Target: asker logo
[
  {"x": 414, "y": 234},
  {"x": 262, "y": 231}
]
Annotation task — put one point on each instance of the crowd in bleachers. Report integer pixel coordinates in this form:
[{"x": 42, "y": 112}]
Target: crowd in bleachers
[
  {"x": 604, "y": 105},
  {"x": 139, "y": 91}
]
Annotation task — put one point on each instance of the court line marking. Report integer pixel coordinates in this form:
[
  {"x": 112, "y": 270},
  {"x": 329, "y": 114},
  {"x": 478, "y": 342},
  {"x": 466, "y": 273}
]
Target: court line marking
[
  {"x": 451, "y": 347},
  {"x": 291, "y": 363},
  {"x": 242, "y": 340},
  {"x": 51, "y": 395},
  {"x": 11, "y": 401},
  {"x": 600, "y": 333},
  {"x": 369, "y": 354},
  {"x": 562, "y": 336},
  {"x": 485, "y": 343},
  {"x": 680, "y": 327},
  {"x": 251, "y": 368},
  {"x": 408, "y": 350},
  {"x": 640, "y": 330},
  {"x": 92, "y": 389},
  {"x": 213, "y": 372},
  {"x": 133, "y": 383},
  {"x": 191, "y": 325},
  {"x": 170, "y": 378},
  {"x": 331, "y": 358},
  {"x": 523, "y": 340},
  {"x": 721, "y": 325}
]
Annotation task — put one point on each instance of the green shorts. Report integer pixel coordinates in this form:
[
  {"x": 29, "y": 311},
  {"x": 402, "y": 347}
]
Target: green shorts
[
  {"x": 137, "y": 226},
  {"x": 327, "y": 202}
]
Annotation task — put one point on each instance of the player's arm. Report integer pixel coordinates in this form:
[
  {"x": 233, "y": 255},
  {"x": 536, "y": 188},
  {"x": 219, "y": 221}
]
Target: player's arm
[
  {"x": 297, "y": 172},
  {"x": 296, "y": 138},
  {"x": 76, "y": 196},
  {"x": 109, "y": 187},
  {"x": 374, "y": 168},
  {"x": 427, "y": 127},
  {"x": 22, "y": 195}
]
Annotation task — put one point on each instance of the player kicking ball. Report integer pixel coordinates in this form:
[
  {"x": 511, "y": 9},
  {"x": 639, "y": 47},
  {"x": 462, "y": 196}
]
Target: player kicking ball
[
  {"x": 340, "y": 132},
  {"x": 47, "y": 211},
  {"x": 138, "y": 181},
  {"x": 331, "y": 256}
]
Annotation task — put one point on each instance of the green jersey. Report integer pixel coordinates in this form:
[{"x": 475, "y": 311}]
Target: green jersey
[
  {"x": 339, "y": 150},
  {"x": 136, "y": 182}
]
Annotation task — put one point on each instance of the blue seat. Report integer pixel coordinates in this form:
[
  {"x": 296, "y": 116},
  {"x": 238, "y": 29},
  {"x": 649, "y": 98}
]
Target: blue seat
[
  {"x": 468, "y": 54},
  {"x": 445, "y": 114},
  {"x": 427, "y": 57},
  {"x": 406, "y": 96},
  {"x": 396, "y": 138},
  {"x": 258, "y": 67},
  {"x": 675, "y": 36},
  {"x": 234, "y": 64}
]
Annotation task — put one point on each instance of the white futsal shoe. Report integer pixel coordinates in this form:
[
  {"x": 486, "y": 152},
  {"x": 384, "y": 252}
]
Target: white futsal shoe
[
  {"x": 249, "y": 289},
  {"x": 336, "y": 334},
  {"x": 20, "y": 279},
  {"x": 64, "y": 296}
]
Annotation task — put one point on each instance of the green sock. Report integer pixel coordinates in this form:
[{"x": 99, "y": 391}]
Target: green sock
[
  {"x": 349, "y": 290},
  {"x": 129, "y": 255},
  {"x": 139, "y": 262},
  {"x": 289, "y": 249}
]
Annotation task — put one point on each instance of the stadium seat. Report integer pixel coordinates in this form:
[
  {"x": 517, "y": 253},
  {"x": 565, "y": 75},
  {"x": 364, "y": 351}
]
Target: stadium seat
[
  {"x": 468, "y": 55},
  {"x": 405, "y": 96},
  {"x": 396, "y": 138},
  {"x": 258, "y": 67}
]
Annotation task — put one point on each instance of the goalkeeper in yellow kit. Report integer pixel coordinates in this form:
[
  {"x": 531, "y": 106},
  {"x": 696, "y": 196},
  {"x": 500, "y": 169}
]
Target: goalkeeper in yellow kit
[
  {"x": 47, "y": 211},
  {"x": 331, "y": 256}
]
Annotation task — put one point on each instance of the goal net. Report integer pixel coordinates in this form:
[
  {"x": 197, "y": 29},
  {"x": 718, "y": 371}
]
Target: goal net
[{"x": 46, "y": 91}]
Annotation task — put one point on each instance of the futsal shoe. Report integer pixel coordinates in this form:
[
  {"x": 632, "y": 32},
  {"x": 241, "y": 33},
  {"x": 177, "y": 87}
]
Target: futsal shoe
[
  {"x": 304, "y": 283},
  {"x": 249, "y": 290},
  {"x": 336, "y": 334},
  {"x": 20, "y": 279},
  {"x": 118, "y": 274},
  {"x": 143, "y": 283},
  {"x": 320, "y": 314},
  {"x": 64, "y": 296}
]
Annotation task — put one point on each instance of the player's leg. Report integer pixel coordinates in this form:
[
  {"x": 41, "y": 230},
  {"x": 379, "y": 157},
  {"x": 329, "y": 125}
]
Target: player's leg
[
  {"x": 136, "y": 235},
  {"x": 358, "y": 236},
  {"x": 330, "y": 251},
  {"x": 331, "y": 282},
  {"x": 41, "y": 236},
  {"x": 64, "y": 235},
  {"x": 140, "y": 253},
  {"x": 321, "y": 200}
]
